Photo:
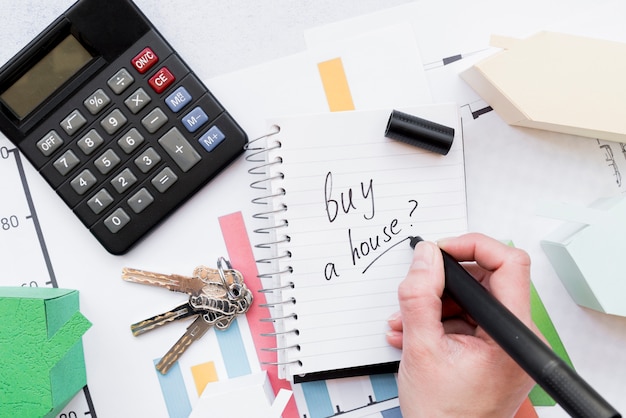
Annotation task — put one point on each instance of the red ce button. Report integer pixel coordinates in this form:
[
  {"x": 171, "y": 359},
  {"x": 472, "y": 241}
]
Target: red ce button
[{"x": 161, "y": 80}]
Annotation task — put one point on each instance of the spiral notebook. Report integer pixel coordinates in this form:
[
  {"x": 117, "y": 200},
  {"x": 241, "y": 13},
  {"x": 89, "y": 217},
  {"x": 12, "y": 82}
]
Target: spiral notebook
[{"x": 338, "y": 202}]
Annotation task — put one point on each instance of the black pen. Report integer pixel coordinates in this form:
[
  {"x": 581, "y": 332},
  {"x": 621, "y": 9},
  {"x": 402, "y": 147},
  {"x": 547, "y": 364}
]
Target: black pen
[{"x": 555, "y": 376}]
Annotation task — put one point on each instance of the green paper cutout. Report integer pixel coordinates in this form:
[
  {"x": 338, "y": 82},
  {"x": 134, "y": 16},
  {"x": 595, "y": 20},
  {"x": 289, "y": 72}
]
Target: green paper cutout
[
  {"x": 542, "y": 320},
  {"x": 540, "y": 316},
  {"x": 42, "y": 359}
]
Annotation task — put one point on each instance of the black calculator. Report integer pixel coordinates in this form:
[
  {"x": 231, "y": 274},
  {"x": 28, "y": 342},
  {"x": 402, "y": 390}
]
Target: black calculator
[{"x": 114, "y": 120}]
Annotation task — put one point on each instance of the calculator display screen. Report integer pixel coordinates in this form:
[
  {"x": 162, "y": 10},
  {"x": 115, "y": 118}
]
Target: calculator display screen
[{"x": 46, "y": 76}]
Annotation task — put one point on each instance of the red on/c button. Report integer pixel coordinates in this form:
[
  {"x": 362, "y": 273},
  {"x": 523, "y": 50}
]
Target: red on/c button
[
  {"x": 145, "y": 60},
  {"x": 161, "y": 80}
]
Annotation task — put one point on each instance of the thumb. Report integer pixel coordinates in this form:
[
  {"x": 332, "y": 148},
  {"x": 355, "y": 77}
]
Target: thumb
[{"x": 420, "y": 294}]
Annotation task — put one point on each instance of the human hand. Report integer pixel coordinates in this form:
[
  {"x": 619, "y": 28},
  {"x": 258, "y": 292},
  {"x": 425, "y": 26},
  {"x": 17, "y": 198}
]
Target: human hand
[{"x": 449, "y": 366}]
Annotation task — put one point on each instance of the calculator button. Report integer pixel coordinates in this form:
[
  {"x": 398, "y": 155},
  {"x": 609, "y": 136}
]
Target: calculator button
[
  {"x": 195, "y": 119},
  {"x": 144, "y": 60},
  {"x": 120, "y": 81},
  {"x": 114, "y": 121},
  {"x": 130, "y": 141},
  {"x": 117, "y": 220},
  {"x": 212, "y": 138},
  {"x": 73, "y": 122},
  {"x": 179, "y": 149},
  {"x": 164, "y": 180},
  {"x": 124, "y": 180},
  {"x": 147, "y": 160},
  {"x": 154, "y": 120},
  {"x": 140, "y": 200},
  {"x": 210, "y": 106},
  {"x": 96, "y": 101},
  {"x": 100, "y": 201},
  {"x": 107, "y": 161},
  {"x": 178, "y": 99},
  {"x": 49, "y": 143},
  {"x": 83, "y": 182},
  {"x": 66, "y": 162},
  {"x": 137, "y": 101},
  {"x": 161, "y": 80},
  {"x": 90, "y": 142}
]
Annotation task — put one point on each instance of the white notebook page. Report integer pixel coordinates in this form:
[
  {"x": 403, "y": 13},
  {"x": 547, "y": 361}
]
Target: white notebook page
[{"x": 353, "y": 197}]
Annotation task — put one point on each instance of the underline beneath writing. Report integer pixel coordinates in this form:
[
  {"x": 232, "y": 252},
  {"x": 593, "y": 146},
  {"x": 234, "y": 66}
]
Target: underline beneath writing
[{"x": 385, "y": 252}]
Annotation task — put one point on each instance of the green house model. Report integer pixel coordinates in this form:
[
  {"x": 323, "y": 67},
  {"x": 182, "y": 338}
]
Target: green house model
[{"x": 42, "y": 365}]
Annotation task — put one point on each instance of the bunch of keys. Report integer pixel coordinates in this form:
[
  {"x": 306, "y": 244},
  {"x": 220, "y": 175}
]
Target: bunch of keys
[{"x": 216, "y": 297}]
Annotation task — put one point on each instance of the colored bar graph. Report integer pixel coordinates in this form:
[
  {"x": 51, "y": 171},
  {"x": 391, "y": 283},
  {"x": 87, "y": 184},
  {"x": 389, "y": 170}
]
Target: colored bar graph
[
  {"x": 233, "y": 351},
  {"x": 203, "y": 374},
  {"x": 335, "y": 85},
  {"x": 392, "y": 413},
  {"x": 317, "y": 399},
  {"x": 242, "y": 258},
  {"x": 234, "y": 357},
  {"x": 174, "y": 391},
  {"x": 385, "y": 387}
]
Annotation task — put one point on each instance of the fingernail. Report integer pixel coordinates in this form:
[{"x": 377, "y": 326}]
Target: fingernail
[
  {"x": 393, "y": 334},
  {"x": 441, "y": 243},
  {"x": 423, "y": 256},
  {"x": 443, "y": 240},
  {"x": 394, "y": 317}
]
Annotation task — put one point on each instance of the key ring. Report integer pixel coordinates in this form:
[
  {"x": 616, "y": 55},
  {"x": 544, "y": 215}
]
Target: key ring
[{"x": 234, "y": 291}]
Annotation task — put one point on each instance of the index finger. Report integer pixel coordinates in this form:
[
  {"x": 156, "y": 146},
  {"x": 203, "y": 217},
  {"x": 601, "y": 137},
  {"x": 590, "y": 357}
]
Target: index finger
[
  {"x": 488, "y": 252},
  {"x": 509, "y": 267}
]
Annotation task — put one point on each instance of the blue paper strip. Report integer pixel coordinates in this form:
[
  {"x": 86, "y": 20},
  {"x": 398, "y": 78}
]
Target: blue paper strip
[
  {"x": 392, "y": 413},
  {"x": 317, "y": 399},
  {"x": 233, "y": 351},
  {"x": 385, "y": 386},
  {"x": 174, "y": 391}
]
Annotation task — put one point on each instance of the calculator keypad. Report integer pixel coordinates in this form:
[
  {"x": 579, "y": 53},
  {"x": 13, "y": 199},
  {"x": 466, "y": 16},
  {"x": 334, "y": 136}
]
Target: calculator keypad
[
  {"x": 145, "y": 60},
  {"x": 181, "y": 151},
  {"x": 137, "y": 101},
  {"x": 164, "y": 180},
  {"x": 100, "y": 201},
  {"x": 147, "y": 160},
  {"x": 140, "y": 200},
  {"x": 120, "y": 81},
  {"x": 96, "y": 101},
  {"x": 140, "y": 139},
  {"x": 73, "y": 122},
  {"x": 154, "y": 120},
  {"x": 161, "y": 80},
  {"x": 90, "y": 142}
]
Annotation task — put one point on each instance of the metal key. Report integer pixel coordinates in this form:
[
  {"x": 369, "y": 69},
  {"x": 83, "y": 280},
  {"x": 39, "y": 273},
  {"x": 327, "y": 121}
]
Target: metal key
[
  {"x": 216, "y": 296},
  {"x": 197, "y": 329},
  {"x": 174, "y": 282},
  {"x": 180, "y": 312}
]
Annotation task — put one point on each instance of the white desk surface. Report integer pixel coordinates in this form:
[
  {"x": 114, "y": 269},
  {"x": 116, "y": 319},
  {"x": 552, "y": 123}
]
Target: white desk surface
[{"x": 244, "y": 33}]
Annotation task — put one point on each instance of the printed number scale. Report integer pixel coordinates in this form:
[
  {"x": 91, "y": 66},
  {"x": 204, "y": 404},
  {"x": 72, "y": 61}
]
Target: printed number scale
[{"x": 114, "y": 120}]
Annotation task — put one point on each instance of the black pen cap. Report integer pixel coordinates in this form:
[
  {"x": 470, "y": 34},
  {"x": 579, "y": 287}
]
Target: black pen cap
[{"x": 420, "y": 132}]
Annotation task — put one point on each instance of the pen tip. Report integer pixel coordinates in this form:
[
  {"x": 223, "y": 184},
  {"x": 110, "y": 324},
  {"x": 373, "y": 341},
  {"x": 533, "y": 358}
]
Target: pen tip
[{"x": 414, "y": 240}]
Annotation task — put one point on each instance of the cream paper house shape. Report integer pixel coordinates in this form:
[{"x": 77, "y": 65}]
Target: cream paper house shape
[{"x": 557, "y": 82}]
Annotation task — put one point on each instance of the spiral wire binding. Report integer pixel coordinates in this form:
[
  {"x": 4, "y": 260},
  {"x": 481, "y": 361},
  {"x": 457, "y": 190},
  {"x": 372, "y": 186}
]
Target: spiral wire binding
[{"x": 258, "y": 150}]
